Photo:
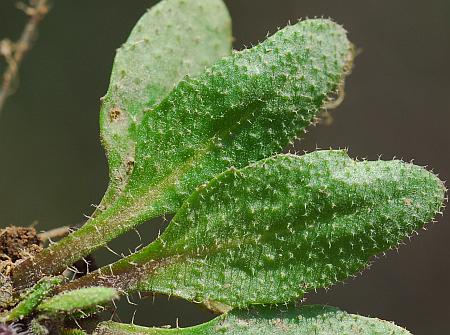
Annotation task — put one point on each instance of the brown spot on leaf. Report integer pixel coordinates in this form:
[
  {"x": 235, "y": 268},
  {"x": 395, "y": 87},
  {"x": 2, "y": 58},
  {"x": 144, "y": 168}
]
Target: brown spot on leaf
[
  {"x": 115, "y": 113},
  {"x": 407, "y": 201},
  {"x": 130, "y": 165}
]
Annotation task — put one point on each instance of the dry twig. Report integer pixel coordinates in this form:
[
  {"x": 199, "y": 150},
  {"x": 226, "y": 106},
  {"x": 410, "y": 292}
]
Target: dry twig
[
  {"x": 54, "y": 233},
  {"x": 14, "y": 52}
]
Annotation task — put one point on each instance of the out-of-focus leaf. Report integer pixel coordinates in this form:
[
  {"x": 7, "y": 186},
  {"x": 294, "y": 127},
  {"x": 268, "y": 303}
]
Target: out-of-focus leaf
[{"x": 67, "y": 331}]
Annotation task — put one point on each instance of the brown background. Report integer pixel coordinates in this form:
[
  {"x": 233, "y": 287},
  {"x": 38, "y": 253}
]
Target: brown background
[{"x": 52, "y": 166}]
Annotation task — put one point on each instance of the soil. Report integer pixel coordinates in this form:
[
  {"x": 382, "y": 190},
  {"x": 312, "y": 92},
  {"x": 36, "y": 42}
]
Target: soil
[
  {"x": 6, "y": 292},
  {"x": 17, "y": 243}
]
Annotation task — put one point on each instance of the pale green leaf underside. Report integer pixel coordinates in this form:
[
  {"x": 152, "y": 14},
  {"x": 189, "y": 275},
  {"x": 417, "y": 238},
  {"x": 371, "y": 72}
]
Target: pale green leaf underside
[
  {"x": 274, "y": 230},
  {"x": 307, "y": 320},
  {"x": 173, "y": 39},
  {"x": 77, "y": 300},
  {"x": 242, "y": 109}
]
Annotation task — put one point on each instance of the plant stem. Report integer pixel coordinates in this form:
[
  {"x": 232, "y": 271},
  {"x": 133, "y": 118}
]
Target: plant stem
[{"x": 15, "y": 52}]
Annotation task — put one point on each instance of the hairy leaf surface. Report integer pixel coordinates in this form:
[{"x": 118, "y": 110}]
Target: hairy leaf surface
[
  {"x": 173, "y": 39},
  {"x": 31, "y": 299},
  {"x": 274, "y": 230},
  {"x": 307, "y": 320},
  {"x": 244, "y": 108},
  {"x": 77, "y": 300}
]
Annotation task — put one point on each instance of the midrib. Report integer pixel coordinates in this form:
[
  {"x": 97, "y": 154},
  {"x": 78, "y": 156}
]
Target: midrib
[{"x": 141, "y": 202}]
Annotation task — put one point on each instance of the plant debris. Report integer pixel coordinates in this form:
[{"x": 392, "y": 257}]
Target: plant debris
[{"x": 16, "y": 244}]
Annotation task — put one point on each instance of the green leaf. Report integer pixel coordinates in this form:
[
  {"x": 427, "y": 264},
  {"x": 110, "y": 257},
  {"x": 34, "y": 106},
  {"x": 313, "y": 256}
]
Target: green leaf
[
  {"x": 77, "y": 300},
  {"x": 307, "y": 320},
  {"x": 242, "y": 109},
  {"x": 274, "y": 230},
  {"x": 174, "y": 38},
  {"x": 31, "y": 299}
]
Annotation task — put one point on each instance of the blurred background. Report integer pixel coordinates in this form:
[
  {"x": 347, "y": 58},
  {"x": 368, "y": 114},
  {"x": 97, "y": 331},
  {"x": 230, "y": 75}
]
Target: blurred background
[{"x": 52, "y": 167}]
